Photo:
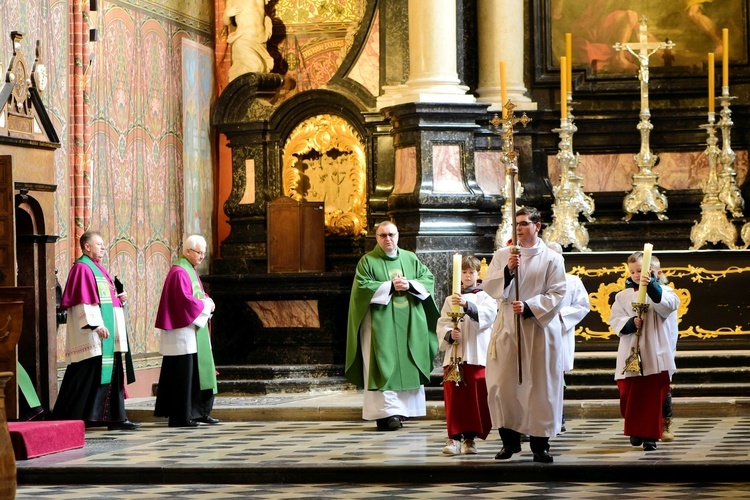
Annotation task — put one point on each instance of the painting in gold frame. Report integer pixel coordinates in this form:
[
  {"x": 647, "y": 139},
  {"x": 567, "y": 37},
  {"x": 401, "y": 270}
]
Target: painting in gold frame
[{"x": 693, "y": 25}]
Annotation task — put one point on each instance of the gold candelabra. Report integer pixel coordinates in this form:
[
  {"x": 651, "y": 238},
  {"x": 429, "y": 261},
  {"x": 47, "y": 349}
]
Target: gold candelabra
[
  {"x": 729, "y": 193},
  {"x": 454, "y": 373},
  {"x": 570, "y": 200},
  {"x": 645, "y": 196},
  {"x": 633, "y": 362},
  {"x": 714, "y": 225}
]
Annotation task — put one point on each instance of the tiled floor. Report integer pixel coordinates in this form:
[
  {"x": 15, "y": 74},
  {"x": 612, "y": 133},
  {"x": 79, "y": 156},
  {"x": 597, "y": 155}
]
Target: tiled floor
[
  {"x": 348, "y": 459},
  {"x": 356, "y": 491}
]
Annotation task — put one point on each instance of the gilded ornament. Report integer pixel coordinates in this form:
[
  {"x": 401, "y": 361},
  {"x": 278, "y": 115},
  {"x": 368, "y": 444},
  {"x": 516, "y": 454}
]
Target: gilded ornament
[{"x": 324, "y": 160}]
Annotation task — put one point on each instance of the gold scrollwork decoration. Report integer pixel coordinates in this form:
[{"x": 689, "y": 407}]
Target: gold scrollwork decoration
[
  {"x": 703, "y": 334},
  {"x": 600, "y": 300},
  {"x": 324, "y": 160}
]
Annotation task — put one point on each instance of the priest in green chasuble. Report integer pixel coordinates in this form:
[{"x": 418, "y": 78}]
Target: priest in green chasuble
[{"x": 391, "y": 340}]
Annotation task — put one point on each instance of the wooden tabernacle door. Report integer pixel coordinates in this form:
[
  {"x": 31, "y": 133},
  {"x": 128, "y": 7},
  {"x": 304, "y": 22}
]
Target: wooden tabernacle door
[{"x": 296, "y": 236}]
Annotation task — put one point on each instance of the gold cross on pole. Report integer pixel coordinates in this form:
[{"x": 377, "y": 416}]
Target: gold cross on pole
[{"x": 506, "y": 125}]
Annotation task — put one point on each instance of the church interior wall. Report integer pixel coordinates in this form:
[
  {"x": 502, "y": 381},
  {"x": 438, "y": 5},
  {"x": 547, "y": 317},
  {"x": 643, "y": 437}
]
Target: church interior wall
[{"x": 137, "y": 148}]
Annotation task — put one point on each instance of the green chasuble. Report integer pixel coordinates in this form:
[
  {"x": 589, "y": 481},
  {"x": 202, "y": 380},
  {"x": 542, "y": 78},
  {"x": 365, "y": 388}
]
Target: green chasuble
[{"x": 403, "y": 343}]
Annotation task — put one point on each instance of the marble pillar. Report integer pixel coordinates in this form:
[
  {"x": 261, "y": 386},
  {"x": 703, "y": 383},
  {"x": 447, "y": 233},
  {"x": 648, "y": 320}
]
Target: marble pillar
[
  {"x": 433, "y": 76},
  {"x": 435, "y": 197},
  {"x": 500, "y": 27}
]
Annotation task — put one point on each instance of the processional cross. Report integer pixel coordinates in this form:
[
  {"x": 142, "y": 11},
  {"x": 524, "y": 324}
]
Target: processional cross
[
  {"x": 645, "y": 196},
  {"x": 509, "y": 158}
]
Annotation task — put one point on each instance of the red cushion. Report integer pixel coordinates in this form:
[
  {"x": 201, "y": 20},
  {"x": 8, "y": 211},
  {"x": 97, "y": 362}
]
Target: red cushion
[{"x": 34, "y": 439}]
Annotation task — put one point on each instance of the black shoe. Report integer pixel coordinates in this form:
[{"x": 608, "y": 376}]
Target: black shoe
[
  {"x": 389, "y": 423},
  {"x": 208, "y": 420},
  {"x": 543, "y": 457},
  {"x": 184, "y": 423},
  {"x": 636, "y": 441},
  {"x": 649, "y": 445},
  {"x": 127, "y": 425},
  {"x": 506, "y": 453}
]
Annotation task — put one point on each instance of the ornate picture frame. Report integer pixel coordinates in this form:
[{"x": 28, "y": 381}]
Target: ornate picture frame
[{"x": 596, "y": 25}]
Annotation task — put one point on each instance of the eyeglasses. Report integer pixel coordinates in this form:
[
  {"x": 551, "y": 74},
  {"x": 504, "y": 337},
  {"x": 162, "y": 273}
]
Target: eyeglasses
[
  {"x": 202, "y": 254},
  {"x": 387, "y": 235},
  {"x": 525, "y": 223}
]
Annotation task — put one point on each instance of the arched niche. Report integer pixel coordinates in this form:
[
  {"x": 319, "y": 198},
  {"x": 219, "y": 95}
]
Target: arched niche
[{"x": 324, "y": 157}]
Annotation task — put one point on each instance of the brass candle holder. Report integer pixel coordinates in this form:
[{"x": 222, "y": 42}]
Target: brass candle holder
[
  {"x": 633, "y": 362},
  {"x": 454, "y": 373},
  {"x": 714, "y": 226},
  {"x": 729, "y": 192},
  {"x": 645, "y": 196},
  {"x": 570, "y": 200}
]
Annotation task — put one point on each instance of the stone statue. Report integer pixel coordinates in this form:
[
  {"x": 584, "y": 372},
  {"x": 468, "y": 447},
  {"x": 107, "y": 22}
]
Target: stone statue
[{"x": 252, "y": 29}]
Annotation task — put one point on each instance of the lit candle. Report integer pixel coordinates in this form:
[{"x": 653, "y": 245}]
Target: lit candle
[
  {"x": 711, "y": 83},
  {"x": 503, "y": 88},
  {"x": 569, "y": 56},
  {"x": 645, "y": 266},
  {"x": 563, "y": 88},
  {"x": 725, "y": 57},
  {"x": 456, "y": 279}
]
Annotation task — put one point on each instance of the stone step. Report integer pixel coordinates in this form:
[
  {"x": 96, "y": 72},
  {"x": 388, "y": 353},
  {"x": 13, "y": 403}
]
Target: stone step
[
  {"x": 281, "y": 379},
  {"x": 730, "y": 390},
  {"x": 282, "y": 386},
  {"x": 715, "y": 375},
  {"x": 683, "y": 359},
  {"x": 275, "y": 372},
  {"x": 699, "y": 373}
]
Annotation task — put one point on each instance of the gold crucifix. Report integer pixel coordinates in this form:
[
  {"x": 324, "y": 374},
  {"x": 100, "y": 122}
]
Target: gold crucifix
[
  {"x": 642, "y": 51},
  {"x": 645, "y": 196},
  {"x": 506, "y": 124}
]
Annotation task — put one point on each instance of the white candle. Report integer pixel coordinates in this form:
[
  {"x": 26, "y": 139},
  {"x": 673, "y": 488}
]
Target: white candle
[
  {"x": 456, "y": 279},
  {"x": 645, "y": 266}
]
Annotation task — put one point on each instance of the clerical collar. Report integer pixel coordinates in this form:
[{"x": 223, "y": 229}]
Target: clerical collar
[
  {"x": 538, "y": 247},
  {"x": 392, "y": 255}
]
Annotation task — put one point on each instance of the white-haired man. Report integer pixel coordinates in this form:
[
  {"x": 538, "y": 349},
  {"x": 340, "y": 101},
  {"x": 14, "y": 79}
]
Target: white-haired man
[{"x": 187, "y": 382}]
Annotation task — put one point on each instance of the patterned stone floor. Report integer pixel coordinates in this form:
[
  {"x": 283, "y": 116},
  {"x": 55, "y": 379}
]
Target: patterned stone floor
[
  {"x": 710, "y": 458},
  {"x": 356, "y": 491}
]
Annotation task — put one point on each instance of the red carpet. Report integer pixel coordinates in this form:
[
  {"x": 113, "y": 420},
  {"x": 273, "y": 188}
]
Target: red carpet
[{"x": 34, "y": 439}]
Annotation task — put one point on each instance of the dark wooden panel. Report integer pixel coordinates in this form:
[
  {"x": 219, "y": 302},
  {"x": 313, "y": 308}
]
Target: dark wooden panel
[
  {"x": 712, "y": 285},
  {"x": 7, "y": 241},
  {"x": 312, "y": 237},
  {"x": 296, "y": 236}
]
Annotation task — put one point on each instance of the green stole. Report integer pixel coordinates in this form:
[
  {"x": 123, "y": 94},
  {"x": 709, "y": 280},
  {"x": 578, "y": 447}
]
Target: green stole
[
  {"x": 27, "y": 387},
  {"x": 206, "y": 367},
  {"x": 108, "y": 316}
]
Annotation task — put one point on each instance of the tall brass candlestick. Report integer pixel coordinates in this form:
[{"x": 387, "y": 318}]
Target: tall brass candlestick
[
  {"x": 454, "y": 373},
  {"x": 645, "y": 196},
  {"x": 633, "y": 362}
]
